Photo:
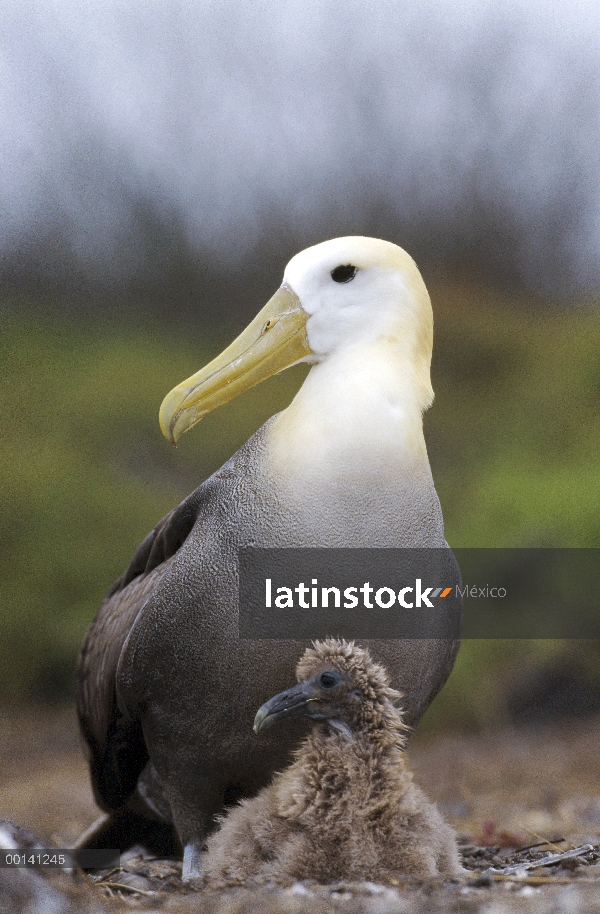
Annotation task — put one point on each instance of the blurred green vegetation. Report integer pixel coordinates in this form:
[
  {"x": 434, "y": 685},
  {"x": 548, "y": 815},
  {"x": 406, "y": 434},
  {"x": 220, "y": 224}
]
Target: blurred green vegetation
[{"x": 513, "y": 439}]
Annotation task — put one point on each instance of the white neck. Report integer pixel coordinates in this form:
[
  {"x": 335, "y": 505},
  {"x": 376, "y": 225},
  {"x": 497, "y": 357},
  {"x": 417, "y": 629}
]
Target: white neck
[{"x": 357, "y": 414}]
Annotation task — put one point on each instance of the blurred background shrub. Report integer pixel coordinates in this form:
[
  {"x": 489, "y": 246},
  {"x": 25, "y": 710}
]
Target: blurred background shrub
[{"x": 86, "y": 473}]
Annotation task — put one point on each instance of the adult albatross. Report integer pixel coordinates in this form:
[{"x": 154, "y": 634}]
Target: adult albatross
[{"x": 167, "y": 691}]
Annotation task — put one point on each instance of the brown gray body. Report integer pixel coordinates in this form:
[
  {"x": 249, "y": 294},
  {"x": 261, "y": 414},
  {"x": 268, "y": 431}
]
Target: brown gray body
[{"x": 163, "y": 674}]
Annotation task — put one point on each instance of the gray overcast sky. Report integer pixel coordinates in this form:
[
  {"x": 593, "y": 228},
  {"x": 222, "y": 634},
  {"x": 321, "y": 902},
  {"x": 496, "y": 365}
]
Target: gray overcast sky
[{"x": 227, "y": 115}]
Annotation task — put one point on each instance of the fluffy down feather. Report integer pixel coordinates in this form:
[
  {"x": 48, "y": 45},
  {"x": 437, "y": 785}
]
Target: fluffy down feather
[{"x": 347, "y": 807}]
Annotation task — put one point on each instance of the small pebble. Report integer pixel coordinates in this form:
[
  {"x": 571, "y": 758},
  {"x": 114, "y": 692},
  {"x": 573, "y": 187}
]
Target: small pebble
[{"x": 299, "y": 889}]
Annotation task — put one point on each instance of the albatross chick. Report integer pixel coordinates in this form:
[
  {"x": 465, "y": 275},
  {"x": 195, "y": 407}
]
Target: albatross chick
[{"x": 347, "y": 808}]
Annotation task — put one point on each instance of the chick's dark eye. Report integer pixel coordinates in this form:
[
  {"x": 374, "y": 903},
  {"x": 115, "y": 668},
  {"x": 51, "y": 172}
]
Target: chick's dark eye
[
  {"x": 328, "y": 680},
  {"x": 344, "y": 273}
]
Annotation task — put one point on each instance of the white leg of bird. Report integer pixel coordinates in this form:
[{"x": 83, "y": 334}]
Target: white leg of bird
[{"x": 191, "y": 863}]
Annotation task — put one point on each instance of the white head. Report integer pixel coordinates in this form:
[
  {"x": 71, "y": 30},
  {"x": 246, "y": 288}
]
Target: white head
[
  {"x": 361, "y": 292},
  {"x": 357, "y": 307}
]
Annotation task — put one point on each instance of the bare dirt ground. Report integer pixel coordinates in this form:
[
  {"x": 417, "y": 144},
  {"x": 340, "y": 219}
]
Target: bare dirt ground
[{"x": 503, "y": 792}]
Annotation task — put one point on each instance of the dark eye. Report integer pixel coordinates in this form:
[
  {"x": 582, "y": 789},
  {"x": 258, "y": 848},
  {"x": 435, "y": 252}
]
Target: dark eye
[
  {"x": 344, "y": 273},
  {"x": 328, "y": 680}
]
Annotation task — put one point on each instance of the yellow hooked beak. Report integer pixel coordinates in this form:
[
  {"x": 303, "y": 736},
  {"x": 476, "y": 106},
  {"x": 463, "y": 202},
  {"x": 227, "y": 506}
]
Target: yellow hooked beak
[{"x": 274, "y": 340}]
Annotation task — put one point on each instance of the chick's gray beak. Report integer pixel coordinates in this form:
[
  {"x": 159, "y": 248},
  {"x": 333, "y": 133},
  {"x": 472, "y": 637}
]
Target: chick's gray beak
[{"x": 299, "y": 700}]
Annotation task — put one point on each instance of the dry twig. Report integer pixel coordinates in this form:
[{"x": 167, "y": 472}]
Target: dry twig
[
  {"x": 128, "y": 888},
  {"x": 549, "y": 860}
]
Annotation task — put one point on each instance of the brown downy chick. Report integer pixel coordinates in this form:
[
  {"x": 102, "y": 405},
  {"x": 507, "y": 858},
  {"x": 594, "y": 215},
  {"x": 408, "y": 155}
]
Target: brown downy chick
[{"x": 347, "y": 807}]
